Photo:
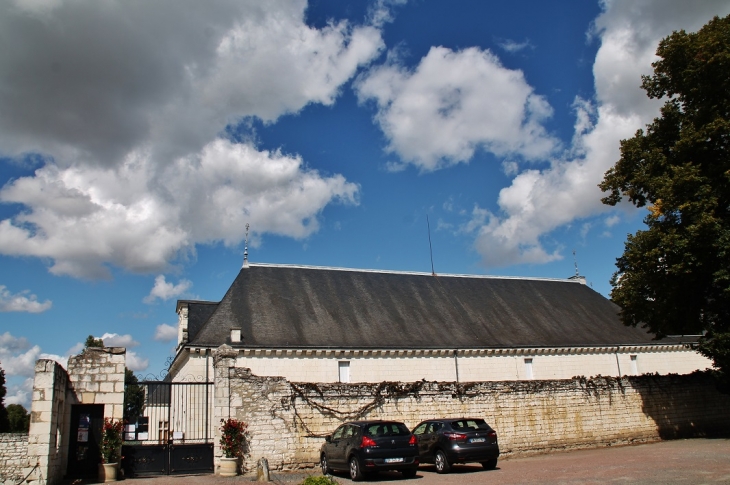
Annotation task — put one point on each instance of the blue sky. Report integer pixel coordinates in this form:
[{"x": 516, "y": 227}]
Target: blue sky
[{"x": 138, "y": 139}]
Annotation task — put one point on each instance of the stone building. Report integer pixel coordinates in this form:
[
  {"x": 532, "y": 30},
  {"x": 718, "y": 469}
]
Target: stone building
[
  {"x": 313, "y": 324},
  {"x": 293, "y": 351}
]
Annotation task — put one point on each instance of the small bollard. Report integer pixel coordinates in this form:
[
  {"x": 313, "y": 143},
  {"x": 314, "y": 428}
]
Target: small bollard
[{"x": 262, "y": 470}]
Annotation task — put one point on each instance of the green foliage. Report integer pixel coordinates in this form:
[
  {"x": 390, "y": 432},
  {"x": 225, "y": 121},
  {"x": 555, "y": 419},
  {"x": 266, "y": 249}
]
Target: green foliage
[
  {"x": 93, "y": 342},
  {"x": 321, "y": 480},
  {"x": 18, "y": 418},
  {"x": 234, "y": 438},
  {"x": 111, "y": 440},
  {"x": 674, "y": 277},
  {"x": 133, "y": 397},
  {"x": 4, "y": 423}
]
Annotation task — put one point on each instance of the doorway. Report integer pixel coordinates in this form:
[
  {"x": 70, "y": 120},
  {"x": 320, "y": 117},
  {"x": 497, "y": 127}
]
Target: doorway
[{"x": 84, "y": 452}]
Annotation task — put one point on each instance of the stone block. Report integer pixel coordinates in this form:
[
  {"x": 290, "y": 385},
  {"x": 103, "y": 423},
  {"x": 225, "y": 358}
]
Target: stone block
[{"x": 106, "y": 387}]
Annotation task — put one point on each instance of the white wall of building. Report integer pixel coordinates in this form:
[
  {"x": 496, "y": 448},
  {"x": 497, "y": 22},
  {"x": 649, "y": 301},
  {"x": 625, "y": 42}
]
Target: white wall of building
[{"x": 470, "y": 365}]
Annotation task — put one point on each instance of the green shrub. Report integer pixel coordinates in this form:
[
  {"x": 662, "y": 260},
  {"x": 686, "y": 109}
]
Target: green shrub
[{"x": 323, "y": 480}]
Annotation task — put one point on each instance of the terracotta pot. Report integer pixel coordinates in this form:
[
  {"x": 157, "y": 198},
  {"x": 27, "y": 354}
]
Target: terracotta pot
[
  {"x": 228, "y": 467},
  {"x": 108, "y": 472}
]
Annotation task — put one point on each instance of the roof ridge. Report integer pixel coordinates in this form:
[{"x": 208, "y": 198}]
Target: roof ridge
[{"x": 414, "y": 273}]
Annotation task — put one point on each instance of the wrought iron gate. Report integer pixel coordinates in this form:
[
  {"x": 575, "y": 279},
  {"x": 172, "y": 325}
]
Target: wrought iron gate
[{"x": 174, "y": 433}]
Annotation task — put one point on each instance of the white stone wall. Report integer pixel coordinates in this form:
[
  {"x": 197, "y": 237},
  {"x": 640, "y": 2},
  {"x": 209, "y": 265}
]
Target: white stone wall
[
  {"x": 98, "y": 378},
  {"x": 13, "y": 457},
  {"x": 495, "y": 365},
  {"x": 48, "y": 434}
]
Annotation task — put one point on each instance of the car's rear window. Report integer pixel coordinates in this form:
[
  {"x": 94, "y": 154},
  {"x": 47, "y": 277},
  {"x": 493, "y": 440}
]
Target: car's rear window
[
  {"x": 469, "y": 424},
  {"x": 386, "y": 429}
]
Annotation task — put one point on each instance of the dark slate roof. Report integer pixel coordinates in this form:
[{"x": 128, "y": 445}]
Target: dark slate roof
[
  {"x": 306, "y": 307},
  {"x": 198, "y": 313}
]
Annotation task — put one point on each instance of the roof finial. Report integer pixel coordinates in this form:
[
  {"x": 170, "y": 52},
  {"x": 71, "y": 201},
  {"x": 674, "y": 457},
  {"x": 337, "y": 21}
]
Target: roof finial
[
  {"x": 245, "y": 249},
  {"x": 575, "y": 262}
]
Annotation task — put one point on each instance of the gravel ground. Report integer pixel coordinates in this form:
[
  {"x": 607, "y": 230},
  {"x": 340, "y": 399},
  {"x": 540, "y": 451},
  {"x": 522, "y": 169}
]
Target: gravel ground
[{"x": 694, "y": 461}]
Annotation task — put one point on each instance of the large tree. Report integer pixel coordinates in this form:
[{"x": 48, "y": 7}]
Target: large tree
[
  {"x": 133, "y": 397},
  {"x": 674, "y": 277},
  {"x": 18, "y": 418}
]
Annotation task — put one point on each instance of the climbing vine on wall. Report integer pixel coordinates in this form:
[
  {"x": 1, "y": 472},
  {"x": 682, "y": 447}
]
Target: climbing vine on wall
[
  {"x": 313, "y": 396},
  {"x": 380, "y": 393}
]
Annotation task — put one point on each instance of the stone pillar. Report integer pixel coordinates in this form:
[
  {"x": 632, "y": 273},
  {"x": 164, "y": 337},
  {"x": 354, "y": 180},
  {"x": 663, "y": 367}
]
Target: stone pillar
[
  {"x": 224, "y": 362},
  {"x": 47, "y": 424}
]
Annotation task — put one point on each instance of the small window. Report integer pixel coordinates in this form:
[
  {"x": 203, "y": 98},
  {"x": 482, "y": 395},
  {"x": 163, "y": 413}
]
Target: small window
[
  {"x": 163, "y": 432},
  {"x": 634, "y": 366},
  {"x": 528, "y": 368},
  {"x": 338, "y": 433},
  {"x": 420, "y": 429},
  {"x": 344, "y": 369}
]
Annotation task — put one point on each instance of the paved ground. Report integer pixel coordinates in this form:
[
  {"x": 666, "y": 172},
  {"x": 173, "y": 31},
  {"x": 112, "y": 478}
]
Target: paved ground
[{"x": 695, "y": 461}]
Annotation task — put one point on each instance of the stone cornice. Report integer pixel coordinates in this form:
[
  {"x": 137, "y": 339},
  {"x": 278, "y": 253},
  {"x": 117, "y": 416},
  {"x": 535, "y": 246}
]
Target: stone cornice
[{"x": 431, "y": 353}]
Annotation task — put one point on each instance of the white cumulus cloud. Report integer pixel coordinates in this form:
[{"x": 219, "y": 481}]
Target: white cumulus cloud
[
  {"x": 140, "y": 217},
  {"x": 165, "y": 333},
  {"x": 135, "y": 362},
  {"x": 539, "y": 201},
  {"x": 18, "y": 356},
  {"x": 147, "y": 90},
  {"x": 454, "y": 102},
  {"x": 20, "y": 393},
  {"x": 164, "y": 290},
  {"x": 116, "y": 340},
  {"x": 22, "y": 302}
]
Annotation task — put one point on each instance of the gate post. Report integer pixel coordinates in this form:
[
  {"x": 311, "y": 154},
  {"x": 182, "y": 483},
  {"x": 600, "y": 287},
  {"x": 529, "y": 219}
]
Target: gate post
[
  {"x": 47, "y": 414},
  {"x": 224, "y": 360}
]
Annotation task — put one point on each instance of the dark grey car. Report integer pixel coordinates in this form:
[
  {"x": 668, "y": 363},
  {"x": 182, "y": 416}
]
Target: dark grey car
[
  {"x": 364, "y": 447},
  {"x": 447, "y": 441}
]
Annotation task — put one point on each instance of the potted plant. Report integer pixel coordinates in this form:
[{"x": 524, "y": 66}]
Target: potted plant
[
  {"x": 234, "y": 434},
  {"x": 111, "y": 445}
]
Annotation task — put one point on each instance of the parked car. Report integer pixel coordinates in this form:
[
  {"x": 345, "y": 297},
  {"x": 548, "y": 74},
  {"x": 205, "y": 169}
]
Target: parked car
[
  {"x": 445, "y": 442},
  {"x": 364, "y": 447}
]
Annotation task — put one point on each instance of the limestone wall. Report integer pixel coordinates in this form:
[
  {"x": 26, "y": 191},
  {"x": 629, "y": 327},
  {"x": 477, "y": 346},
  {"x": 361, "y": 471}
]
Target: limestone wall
[
  {"x": 97, "y": 375},
  {"x": 46, "y": 437},
  {"x": 13, "y": 457},
  {"x": 288, "y": 420}
]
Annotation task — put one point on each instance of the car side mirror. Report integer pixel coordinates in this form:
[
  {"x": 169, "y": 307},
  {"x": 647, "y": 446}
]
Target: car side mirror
[{"x": 328, "y": 438}]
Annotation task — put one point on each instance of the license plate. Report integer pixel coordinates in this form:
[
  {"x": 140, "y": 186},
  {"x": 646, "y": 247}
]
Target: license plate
[
  {"x": 394, "y": 460},
  {"x": 477, "y": 440}
]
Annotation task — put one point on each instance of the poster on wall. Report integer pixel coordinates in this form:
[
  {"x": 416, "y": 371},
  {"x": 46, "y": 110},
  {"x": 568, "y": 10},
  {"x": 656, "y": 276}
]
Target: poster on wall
[
  {"x": 84, "y": 421},
  {"x": 83, "y": 430}
]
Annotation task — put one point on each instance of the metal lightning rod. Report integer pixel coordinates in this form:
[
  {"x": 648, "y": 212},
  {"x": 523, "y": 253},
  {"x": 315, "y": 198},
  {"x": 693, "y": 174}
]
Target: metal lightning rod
[{"x": 430, "y": 248}]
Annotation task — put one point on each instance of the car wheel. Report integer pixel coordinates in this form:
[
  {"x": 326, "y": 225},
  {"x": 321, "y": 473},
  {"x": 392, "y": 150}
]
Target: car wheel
[
  {"x": 355, "y": 470},
  {"x": 409, "y": 473},
  {"x": 442, "y": 464},
  {"x": 490, "y": 464},
  {"x": 326, "y": 470}
]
